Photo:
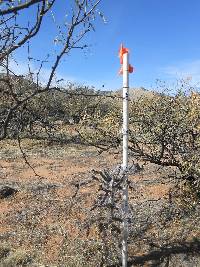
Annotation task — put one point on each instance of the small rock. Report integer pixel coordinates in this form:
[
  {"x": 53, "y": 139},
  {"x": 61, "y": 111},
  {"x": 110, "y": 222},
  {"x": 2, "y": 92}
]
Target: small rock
[{"x": 7, "y": 191}]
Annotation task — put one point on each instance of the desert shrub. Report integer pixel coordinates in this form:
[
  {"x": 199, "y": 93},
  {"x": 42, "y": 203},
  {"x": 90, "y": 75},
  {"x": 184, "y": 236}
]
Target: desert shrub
[
  {"x": 15, "y": 258},
  {"x": 4, "y": 250},
  {"x": 164, "y": 129},
  {"x": 45, "y": 115}
]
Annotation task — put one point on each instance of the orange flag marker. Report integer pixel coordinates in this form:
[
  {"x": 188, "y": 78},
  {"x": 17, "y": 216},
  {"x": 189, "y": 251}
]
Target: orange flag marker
[{"x": 122, "y": 51}]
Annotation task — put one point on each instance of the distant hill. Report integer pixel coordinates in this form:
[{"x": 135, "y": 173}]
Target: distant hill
[{"x": 136, "y": 93}]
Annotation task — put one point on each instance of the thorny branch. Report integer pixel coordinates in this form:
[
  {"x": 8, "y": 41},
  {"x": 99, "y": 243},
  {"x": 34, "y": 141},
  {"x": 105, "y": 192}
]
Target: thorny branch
[{"x": 80, "y": 21}]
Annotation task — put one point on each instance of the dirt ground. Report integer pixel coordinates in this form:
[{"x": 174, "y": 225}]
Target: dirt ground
[{"x": 43, "y": 223}]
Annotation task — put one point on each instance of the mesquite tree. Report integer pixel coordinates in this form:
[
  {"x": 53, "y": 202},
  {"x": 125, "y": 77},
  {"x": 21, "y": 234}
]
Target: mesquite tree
[{"x": 18, "y": 29}]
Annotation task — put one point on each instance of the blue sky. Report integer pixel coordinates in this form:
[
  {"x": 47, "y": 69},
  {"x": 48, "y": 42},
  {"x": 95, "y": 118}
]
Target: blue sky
[{"x": 163, "y": 38}]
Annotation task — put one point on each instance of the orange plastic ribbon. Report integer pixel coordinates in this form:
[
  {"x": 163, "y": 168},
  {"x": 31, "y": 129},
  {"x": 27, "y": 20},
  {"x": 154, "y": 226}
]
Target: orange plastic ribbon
[
  {"x": 130, "y": 69},
  {"x": 122, "y": 51}
]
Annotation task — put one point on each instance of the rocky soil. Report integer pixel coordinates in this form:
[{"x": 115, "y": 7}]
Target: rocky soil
[{"x": 45, "y": 210}]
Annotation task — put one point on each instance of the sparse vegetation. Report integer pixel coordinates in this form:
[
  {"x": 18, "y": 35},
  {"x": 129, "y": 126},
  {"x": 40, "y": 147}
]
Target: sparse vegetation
[
  {"x": 60, "y": 189},
  {"x": 164, "y": 132},
  {"x": 64, "y": 218},
  {"x": 10, "y": 258}
]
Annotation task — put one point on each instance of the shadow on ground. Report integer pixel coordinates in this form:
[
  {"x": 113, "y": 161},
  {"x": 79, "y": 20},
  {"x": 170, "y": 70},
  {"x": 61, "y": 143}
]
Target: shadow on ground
[{"x": 182, "y": 254}]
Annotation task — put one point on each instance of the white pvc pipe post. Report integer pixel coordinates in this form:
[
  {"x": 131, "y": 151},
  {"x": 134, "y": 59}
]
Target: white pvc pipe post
[{"x": 125, "y": 159}]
